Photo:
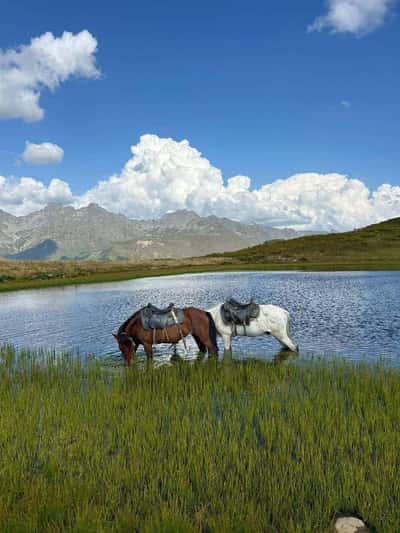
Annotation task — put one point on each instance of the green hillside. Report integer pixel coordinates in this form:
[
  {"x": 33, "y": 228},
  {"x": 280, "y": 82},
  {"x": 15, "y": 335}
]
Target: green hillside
[
  {"x": 375, "y": 247},
  {"x": 376, "y": 244}
]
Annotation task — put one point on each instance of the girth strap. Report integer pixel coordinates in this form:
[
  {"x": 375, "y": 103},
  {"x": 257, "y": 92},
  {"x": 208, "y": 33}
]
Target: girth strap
[{"x": 179, "y": 328}]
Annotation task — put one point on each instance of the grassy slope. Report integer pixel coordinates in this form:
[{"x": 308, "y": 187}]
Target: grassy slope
[
  {"x": 197, "y": 447},
  {"x": 16, "y": 275},
  {"x": 376, "y": 244},
  {"x": 376, "y": 247}
]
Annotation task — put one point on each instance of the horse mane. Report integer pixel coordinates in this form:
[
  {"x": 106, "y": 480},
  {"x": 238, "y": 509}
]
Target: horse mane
[{"x": 127, "y": 322}]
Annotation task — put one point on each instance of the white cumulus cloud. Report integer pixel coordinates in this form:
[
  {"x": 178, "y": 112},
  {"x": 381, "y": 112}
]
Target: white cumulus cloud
[
  {"x": 44, "y": 63},
  {"x": 162, "y": 175},
  {"x": 42, "y": 154},
  {"x": 25, "y": 195},
  {"x": 165, "y": 175},
  {"x": 353, "y": 16}
]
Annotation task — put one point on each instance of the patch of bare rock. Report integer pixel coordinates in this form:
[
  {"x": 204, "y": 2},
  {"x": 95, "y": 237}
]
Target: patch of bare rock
[{"x": 349, "y": 524}]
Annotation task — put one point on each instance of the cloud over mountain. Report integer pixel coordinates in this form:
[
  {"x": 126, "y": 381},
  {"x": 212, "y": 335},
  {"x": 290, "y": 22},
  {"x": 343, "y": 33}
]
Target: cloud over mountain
[
  {"x": 353, "y": 16},
  {"x": 43, "y": 64},
  {"x": 164, "y": 175},
  {"x": 42, "y": 154},
  {"x": 25, "y": 195}
]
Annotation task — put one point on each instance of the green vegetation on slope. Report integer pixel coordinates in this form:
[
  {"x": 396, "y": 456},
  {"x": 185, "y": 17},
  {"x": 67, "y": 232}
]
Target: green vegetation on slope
[
  {"x": 376, "y": 247},
  {"x": 376, "y": 244},
  {"x": 196, "y": 447},
  {"x": 16, "y": 275}
]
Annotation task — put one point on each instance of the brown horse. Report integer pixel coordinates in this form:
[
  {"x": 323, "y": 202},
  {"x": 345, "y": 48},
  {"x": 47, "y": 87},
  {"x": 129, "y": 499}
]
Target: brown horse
[{"x": 200, "y": 324}]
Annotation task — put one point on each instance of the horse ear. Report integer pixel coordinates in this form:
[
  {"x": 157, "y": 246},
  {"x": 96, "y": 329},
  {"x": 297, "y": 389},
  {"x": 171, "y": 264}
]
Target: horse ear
[{"x": 115, "y": 335}]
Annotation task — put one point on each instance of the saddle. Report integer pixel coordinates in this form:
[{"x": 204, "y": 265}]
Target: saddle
[
  {"x": 155, "y": 318},
  {"x": 239, "y": 314}
]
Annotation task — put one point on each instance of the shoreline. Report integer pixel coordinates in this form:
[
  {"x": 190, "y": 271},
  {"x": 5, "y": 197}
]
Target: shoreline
[{"x": 144, "y": 271}]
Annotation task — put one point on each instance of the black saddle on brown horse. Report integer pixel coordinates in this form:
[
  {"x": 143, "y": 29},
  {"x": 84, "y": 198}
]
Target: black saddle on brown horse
[
  {"x": 155, "y": 318},
  {"x": 234, "y": 312}
]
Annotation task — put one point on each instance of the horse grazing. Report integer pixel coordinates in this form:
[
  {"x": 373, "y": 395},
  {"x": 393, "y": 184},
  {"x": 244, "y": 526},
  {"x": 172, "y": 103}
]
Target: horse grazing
[
  {"x": 234, "y": 319},
  {"x": 167, "y": 326}
]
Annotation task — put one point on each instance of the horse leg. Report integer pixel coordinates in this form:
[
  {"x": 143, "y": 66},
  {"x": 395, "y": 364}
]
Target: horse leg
[
  {"x": 227, "y": 344},
  {"x": 201, "y": 345},
  {"x": 211, "y": 348},
  {"x": 148, "y": 348},
  {"x": 204, "y": 332}
]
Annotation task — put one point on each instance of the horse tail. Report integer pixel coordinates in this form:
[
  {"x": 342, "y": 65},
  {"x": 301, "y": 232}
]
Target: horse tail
[{"x": 212, "y": 331}]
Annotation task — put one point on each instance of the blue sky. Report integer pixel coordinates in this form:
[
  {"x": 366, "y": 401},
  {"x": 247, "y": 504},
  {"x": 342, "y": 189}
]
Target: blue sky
[{"x": 245, "y": 83}]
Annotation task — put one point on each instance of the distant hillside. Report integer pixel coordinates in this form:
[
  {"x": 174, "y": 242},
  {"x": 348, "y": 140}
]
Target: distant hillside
[
  {"x": 376, "y": 247},
  {"x": 375, "y": 243},
  {"x": 41, "y": 251},
  {"x": 58, "y": 232}
]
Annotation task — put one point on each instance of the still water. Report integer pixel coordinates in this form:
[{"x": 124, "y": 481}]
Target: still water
[{"x": 355, "y": 315}]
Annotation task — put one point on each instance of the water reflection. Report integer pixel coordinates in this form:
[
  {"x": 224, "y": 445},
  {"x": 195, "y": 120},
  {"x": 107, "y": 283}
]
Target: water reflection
[{"x": 175, "y": 358}]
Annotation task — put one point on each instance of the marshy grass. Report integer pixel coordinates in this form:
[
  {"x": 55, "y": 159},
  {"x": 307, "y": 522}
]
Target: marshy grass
[{"x": 196, "y": 447}]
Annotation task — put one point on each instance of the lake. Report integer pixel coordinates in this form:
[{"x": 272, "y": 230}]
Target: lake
[{"x": 354, "y": 315}]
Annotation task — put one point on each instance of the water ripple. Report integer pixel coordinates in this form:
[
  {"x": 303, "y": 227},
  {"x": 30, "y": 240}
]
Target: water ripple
[{"x": 355, "y": 315}]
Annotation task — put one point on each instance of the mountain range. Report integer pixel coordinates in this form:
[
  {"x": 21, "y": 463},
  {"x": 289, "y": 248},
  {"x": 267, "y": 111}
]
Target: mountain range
[{"x": 63, "y": 232}]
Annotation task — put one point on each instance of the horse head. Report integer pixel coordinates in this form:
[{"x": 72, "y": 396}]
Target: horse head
[{"x": 126, "y": 345}]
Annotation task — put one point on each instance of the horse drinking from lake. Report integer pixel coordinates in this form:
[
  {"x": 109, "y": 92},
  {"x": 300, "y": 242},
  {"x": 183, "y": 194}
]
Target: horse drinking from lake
[
  {"x": 150, "y": 325},
  {"x": 235, "y": 319}
]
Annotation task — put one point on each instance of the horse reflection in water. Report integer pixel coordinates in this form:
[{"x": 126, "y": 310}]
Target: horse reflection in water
[
  {"x": 177, "y": 358},
  {"x": 196, "y": 322}
]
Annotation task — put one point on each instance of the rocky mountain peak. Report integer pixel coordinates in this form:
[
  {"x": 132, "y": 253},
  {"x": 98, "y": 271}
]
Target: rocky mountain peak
[
  {"x": 179, "y": 217},
  {"x": 4, "y": 216},
  {"x": 93, "y": 208},
  {"x": 180, "y": 213},
  {"x": 92, "y": 232},
  {"x": 53, "y": 207}
]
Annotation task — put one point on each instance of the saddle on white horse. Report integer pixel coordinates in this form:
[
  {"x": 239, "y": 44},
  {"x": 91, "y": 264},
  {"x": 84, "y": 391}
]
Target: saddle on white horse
[{"x": 239, "y": 314}]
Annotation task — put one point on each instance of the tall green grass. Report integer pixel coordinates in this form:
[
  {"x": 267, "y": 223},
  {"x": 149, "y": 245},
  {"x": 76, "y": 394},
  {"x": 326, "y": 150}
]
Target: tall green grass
[{"x": 196, "y": 447}]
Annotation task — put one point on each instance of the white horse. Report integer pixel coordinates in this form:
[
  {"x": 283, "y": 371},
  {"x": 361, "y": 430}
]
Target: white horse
[{"x": 272, "y": 320}]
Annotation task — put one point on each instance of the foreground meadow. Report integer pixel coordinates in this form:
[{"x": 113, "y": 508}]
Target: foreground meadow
[{"x": 196, "y": 447}]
